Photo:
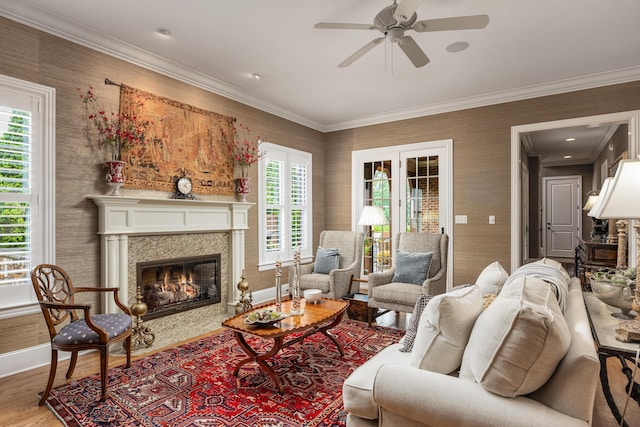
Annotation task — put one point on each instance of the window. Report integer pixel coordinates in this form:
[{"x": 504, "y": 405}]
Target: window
[
  {"x": 27, "y": 206},
  {"x": 285, "y": 204}
]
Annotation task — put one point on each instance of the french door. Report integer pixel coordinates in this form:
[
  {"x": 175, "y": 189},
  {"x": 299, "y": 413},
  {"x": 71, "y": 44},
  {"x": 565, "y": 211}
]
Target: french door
[{"x": 412, "y": 185}]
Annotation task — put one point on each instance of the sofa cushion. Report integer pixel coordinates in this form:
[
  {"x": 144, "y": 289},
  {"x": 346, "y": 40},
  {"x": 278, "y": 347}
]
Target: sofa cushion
[
  {"x": 357, "y": 390},
  {"x": 518, "y": 341},
  {"x": 492, "y": 278},
  {"x": 444, "y": 329},
  {"x": 327, "y": 259},
  {"x": 412, "y": 267},
  {"x": 412, "y": 328}
]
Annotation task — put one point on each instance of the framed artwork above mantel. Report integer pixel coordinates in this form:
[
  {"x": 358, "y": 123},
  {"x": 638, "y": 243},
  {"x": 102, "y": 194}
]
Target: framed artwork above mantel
[{"x": 184, "y": 141}]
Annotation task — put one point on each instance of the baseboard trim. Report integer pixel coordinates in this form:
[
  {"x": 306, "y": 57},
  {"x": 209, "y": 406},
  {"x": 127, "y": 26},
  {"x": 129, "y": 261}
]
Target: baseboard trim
[
  {"x": 26, "y": 359},
  {"x": 29, "y": 358}
]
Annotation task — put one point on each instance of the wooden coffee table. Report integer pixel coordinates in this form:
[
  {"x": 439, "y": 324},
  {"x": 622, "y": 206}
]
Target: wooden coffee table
[{"x": 319, "y": 317}]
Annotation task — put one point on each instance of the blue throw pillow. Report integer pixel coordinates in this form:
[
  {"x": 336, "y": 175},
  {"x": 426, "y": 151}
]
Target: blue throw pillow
[
  {"x": 327, "y": 259},
  {"x": 412, "y": 267}
]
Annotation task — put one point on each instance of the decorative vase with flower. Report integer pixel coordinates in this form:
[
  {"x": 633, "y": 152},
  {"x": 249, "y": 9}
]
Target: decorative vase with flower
[
  {"x": 245, "y": 151},
  {"x": 119, "y": 131}
]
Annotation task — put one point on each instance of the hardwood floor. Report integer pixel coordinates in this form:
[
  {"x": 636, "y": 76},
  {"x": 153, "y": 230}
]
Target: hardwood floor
[{"x": 20, "y": 405}]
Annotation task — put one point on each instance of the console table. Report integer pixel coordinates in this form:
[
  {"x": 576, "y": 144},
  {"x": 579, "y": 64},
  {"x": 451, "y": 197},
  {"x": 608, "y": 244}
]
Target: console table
[
  {"x": 603, "y": 326},
  {"x": 591, "y": 256}
]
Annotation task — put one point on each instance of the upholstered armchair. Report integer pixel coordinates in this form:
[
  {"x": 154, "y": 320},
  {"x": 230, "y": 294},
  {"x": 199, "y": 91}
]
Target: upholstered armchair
[
  {"x": 400, "y": 294},
  {"x": 72, "y": 332},
  {"x": 334, "y": 280}
]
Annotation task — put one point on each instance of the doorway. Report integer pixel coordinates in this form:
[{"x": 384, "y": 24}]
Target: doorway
[
  {"x": 412, "y": 184},
  {"x": 630, "y": 118}
]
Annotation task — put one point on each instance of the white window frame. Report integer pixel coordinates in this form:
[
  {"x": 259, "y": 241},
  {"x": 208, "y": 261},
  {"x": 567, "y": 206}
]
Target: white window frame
[
  {"x": 288, "y": 156},
  {"x": 19, "y": 300}
]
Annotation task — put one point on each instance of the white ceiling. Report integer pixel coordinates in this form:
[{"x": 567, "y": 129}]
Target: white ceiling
[{"x": 530, "y": 48}]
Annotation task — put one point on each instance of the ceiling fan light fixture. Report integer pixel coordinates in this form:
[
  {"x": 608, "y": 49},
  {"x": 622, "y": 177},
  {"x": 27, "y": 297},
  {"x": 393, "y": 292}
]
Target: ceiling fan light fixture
[
  {"x": 457, "y": 47},
  {"x": 395, "y": 34}
]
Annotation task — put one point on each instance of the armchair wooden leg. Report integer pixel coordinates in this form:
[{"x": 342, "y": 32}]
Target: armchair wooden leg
[
  {"x": 104, "y": 365},
  {"x": 127, "y": 349},
  {"x": 52, "y": 376},
  {"x": 72, "y": 364}
]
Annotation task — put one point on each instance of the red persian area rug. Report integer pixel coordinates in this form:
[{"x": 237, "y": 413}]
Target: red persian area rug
[{"x": 193, "y": 385}]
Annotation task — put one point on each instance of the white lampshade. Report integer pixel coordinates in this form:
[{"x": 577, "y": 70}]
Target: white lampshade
[
  {"x": 622, "y": 198},
  {"x": 595, "y": 210},
  {"x": 591, "y": 201},
  {"x": 372, "y": 215}
]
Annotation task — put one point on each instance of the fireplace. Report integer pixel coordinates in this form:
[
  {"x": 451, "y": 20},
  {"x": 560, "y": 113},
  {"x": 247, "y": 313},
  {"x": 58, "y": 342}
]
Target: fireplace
[{"x": 173, "y": 285}]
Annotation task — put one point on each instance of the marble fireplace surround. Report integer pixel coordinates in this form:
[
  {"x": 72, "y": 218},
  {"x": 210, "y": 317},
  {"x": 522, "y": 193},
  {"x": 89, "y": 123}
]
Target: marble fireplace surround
[{"x": 126, "y": 222}]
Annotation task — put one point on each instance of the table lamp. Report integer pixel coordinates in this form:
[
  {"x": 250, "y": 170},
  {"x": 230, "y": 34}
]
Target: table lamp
[
  {"x": 371, "y": 216},
  {"x": 620, "y": 198},
  {"x": 598, "y": 226}
]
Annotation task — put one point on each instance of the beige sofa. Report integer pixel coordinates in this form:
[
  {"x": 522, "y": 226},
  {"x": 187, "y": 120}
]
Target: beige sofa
[{"x": 390, "y": 390}]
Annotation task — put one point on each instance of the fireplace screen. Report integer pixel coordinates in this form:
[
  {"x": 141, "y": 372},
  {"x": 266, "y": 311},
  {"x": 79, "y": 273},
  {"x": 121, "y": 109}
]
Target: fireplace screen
[{"x": 173, "y": 285}]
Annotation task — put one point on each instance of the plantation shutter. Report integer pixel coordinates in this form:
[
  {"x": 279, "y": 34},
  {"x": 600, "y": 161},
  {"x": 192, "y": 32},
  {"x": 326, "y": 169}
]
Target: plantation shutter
[
  {"x": 298, "y": 206},
  {"x": 274, "y": 206},
  {"x": 285, "y": 209},
  {"x": 15, "y": 196}
]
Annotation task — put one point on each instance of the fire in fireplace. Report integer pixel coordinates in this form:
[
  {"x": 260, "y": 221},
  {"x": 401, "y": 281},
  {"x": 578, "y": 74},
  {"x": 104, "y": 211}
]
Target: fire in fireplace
[{"x": 173, "y": 285}]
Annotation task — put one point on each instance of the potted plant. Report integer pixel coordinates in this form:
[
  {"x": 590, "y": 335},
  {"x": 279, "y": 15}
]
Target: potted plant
[
  {"x": 245, "y": 151},
  {"x": 117, "y": 130}
]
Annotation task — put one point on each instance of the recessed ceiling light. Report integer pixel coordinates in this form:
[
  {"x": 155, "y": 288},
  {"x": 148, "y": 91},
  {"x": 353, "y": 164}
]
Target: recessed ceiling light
[
  {"x": 567, "y": 157},
  {"x": 256, "y": 76},
  {"x": 570, "y": 139},
  {"x": 457, "y": 47},
  {"x": 164, "y": 31}
]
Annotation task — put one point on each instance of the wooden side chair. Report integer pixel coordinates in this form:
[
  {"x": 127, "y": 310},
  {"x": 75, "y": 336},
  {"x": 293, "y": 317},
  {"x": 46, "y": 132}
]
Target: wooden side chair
[{"x": 56, "y": 293}]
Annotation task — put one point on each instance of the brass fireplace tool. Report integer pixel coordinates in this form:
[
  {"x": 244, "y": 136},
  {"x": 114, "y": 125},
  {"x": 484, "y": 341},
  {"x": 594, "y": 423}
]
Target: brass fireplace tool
[
  {"x": 140, "y": 334},
  {"x": 244, "y": 304}
]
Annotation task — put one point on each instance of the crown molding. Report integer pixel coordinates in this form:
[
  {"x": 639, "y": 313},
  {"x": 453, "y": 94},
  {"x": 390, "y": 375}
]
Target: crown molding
[
  {"x": 528, "y": 92},
  {"x": 55, "y": 25}
]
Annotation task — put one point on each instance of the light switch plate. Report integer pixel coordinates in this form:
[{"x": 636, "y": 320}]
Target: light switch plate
[{"x": 461, "y": 219}]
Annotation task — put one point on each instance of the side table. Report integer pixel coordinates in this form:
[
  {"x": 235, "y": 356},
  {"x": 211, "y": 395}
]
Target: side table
[{"x": 603, "y": 326}]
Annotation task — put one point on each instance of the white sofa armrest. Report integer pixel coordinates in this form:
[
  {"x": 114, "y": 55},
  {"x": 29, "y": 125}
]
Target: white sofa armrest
[{"x": 408, "y": 395}]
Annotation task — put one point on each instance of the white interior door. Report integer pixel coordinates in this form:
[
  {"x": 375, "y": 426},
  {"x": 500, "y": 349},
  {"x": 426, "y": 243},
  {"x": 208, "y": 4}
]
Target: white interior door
[{"x": 562, "y": 206}]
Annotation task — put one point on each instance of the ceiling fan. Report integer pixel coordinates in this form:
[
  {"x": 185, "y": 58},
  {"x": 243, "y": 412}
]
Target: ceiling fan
[{"x": 394, "y": 20}]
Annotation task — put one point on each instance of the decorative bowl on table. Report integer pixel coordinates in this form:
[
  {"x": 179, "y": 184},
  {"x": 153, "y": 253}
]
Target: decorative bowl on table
[
  {"x": 265, "y": 317},
  {"x": 312, "y": 295},
  {"x": 616, "y": 292}
]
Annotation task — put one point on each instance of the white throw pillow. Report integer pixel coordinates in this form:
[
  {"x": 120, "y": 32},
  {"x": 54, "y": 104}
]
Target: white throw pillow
[
  {"x": 444, "y": 329},
  {"x": 518, "y": 341},
  {"x": 492, "y": 278}
]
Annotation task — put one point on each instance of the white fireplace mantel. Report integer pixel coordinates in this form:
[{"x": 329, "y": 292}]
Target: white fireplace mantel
[{"x": 121, "y": 217}]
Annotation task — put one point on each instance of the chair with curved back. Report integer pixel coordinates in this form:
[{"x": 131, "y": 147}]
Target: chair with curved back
[
  {"x": 398, "y": 295},
  {"x": 56, "y": 295},
  {"x": 334, "y": 282}
]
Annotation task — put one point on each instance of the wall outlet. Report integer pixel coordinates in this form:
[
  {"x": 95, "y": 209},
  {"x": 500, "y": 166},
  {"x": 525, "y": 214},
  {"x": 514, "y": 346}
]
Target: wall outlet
[
  {"x": 461, "y": 219},
  {"x": 492, "y": 219}
]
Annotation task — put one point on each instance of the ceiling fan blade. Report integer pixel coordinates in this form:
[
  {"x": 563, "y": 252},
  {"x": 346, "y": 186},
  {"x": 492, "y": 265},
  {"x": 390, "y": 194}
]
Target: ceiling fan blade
[
  {"x": 472, "y": 22},
  {"x": 406, "y": 9},
  {"x": 344, "y": 26},
  {"x": 366, "y": 48},
  {"x": 414, "y": 52}
]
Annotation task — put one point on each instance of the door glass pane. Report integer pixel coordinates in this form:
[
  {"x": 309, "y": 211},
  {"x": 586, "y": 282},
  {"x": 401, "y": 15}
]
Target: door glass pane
[
  {"x": 423, "y": 201},
  {"x": 377, "y": 192}
]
